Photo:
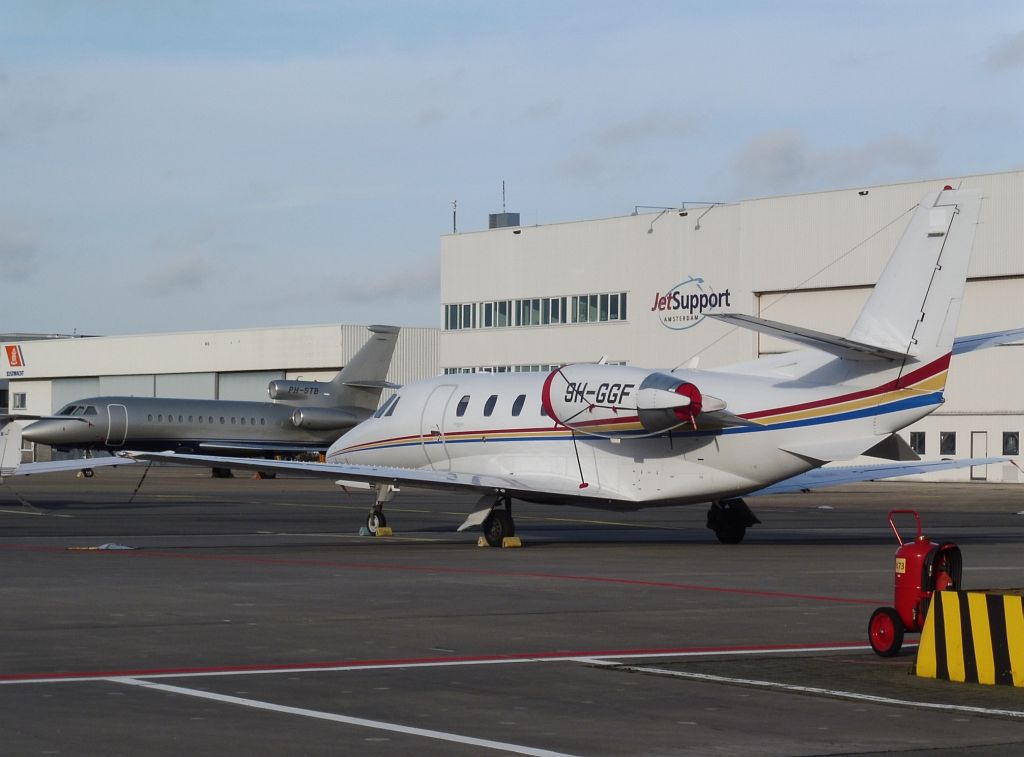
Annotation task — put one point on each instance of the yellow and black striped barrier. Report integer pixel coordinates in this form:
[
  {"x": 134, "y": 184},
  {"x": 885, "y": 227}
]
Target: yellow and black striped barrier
[{"x": 974, "y": 636}]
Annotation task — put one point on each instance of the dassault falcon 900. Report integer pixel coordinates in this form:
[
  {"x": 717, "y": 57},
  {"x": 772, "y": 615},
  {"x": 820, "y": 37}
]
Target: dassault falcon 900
[
  {"x": 624, "y": 437},
  {"x": 305, "y": 416}
]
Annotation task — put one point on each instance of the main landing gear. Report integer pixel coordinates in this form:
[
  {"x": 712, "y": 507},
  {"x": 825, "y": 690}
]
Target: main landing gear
[
  {"x": 730, "y": 519},
  {"x": 494, "y": 515},
  {"x": 499, "y": 524}
]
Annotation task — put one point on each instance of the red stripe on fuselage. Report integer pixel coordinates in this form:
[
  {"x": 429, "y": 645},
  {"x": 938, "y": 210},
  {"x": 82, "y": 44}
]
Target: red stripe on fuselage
[{"x": 903, "y": 382}]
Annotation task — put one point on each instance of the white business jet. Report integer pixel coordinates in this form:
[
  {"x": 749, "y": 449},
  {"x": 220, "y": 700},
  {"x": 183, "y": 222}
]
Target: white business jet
[{"x": 624, "y": 437}]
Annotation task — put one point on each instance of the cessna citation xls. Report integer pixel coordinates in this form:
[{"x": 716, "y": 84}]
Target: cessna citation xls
[{"x": 624, "y": 438}]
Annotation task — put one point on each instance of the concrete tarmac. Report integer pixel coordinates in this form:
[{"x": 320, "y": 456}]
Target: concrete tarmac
[{"x": 250, "y": 618}]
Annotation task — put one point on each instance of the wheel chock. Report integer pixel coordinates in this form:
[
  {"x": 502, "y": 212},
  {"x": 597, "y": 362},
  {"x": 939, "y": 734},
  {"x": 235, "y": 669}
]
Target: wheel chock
[
  {"x": 384, "y": 531},
  {"x": 509, "y": 542}
]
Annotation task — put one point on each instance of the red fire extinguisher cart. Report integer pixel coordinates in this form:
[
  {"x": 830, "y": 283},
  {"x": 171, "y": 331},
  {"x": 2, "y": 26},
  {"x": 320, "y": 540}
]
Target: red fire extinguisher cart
[{"x": 922, "y": 568}]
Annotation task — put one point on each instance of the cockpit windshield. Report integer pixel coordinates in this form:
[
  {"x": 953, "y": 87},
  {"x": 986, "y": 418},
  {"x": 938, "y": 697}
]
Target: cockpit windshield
[
  {"x": 387, "y": 408},
  {"x": 75, "y": 410}
]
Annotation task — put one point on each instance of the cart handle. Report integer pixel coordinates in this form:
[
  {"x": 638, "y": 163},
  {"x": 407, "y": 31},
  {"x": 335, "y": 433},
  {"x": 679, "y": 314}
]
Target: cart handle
[{"x": 896, "y": 531}]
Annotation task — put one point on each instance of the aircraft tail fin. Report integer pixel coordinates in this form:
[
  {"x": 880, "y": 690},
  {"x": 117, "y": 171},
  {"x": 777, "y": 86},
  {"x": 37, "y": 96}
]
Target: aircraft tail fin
[
  {"x": 915, "y": 305},
  {"x": 361, "y": 381},
  {"x": 10, "y": 447}
]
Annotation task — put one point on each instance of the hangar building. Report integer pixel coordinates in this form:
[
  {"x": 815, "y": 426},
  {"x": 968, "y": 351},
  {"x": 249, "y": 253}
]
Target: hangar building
[
  {"x": 45, "y": 374},
  {"x": 517, "y": 298}
]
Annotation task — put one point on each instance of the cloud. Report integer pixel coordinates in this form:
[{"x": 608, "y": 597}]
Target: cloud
[
  {"x": 781, "y": 161},
  {"x": 17, "y": 260},
  {"x": 603, "y": 151},
  {"x": 179, "y": 274},
  {"x": 1008, "y": 54},
  {"x": 416, "y": 281}
]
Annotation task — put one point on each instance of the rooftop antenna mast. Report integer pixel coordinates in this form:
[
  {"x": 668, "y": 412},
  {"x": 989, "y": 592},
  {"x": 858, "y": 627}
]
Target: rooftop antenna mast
[{"x": 502, "y": 195}]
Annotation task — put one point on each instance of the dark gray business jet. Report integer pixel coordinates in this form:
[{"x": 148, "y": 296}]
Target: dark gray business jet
[{"x": 305, "y": 416}]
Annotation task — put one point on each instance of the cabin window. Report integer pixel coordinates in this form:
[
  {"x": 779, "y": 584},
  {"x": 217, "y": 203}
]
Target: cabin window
[
  {"x": 463, "y": 404},
  {"x": 517, "y": 406},
  {"x": 391, "y": 409},
  {"x": 243, "y": 420},
  {"x": 947, "y": 442},
  {"x": 160, "y": 418},
  {"x": 489, "y": 405},
  {"x": 222, "y": 420},
  {"x": 170, "y": 419},
  {"x": 181, "y": 419},
  {"x": 263, "y": 421},
  {"x": 233, "y": 420},
  {"x": 149, "y": 417},
  {"x": 917, "y": 442},
  {"x": 211, "y": 419},
  {"x": 1011, "y": 442},
  {"x": 543, "y": 410},
  {"x": 190, "y": 419}
]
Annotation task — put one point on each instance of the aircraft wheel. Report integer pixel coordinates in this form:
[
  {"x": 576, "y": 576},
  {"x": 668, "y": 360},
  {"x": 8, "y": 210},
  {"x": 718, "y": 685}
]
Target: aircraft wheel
[
  {"x": 375, "y": 520},
  {"x": 88, "y": 472},
  {"x": 498, "y": 525},
  {"x": 731, "y": 533},
  {"x": 885, "y": 631}
]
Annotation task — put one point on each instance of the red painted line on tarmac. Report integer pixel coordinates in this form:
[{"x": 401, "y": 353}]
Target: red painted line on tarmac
[
  {"x": 457, "y": 571},
  {"x": 399, "y": 662}
]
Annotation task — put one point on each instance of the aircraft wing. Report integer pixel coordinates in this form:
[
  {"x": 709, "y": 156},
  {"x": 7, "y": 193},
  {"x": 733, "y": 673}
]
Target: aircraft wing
[
  {"x": 829, "y": 475},
  {"x": 373, "y": 474},
  {"x": 60, "y": 466}
]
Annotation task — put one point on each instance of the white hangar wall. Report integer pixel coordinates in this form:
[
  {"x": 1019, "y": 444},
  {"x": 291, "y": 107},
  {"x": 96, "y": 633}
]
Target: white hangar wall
[{"x": 804, "y": 259}]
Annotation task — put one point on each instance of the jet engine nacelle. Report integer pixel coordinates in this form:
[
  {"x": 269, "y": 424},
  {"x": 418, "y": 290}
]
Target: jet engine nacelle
[
  {"x": 616, "y": 400},
  {"x": 322, "y": 418},
  {"x": 297, "y": 391}
]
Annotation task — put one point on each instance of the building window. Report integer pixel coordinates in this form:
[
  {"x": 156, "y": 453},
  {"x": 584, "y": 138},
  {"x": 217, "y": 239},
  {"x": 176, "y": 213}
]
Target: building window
[
  {"x": 917, "y": 441},
  {"x": 463, "y": 404},
  {"x": 536, "y": 311},
  {"x": 947, "y": 442},
  {"x": 20, "y": 401},
  {"x": 1011, "y": 442}
]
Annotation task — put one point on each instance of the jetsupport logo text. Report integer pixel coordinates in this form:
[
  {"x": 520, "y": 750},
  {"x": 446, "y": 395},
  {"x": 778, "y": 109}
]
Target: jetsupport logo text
[{"x": 683, "y": 306}]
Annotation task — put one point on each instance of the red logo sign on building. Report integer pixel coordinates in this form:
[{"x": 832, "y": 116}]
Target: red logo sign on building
[{"x": 14, "y": 357}]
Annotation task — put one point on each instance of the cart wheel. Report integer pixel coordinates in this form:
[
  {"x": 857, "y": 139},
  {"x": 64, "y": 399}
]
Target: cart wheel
[{"x": 885, "y": 631}]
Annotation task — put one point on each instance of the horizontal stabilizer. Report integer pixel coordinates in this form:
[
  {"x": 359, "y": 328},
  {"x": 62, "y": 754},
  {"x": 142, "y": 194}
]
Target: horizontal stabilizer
[
  {"x": 974, "y": 342},
  {"x": 834, "y": 345}
]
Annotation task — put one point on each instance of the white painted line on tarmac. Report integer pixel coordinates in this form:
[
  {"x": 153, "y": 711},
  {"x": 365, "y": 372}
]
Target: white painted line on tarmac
[
  {"x": 499, "y": 746},
  {"x": 599, "y": 659},
  {"x": 706, "y": 677}
]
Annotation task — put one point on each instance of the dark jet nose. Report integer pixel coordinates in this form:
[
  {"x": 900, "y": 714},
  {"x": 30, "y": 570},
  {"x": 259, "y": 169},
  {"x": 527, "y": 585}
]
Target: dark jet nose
[{"x": 61, "y": 433}]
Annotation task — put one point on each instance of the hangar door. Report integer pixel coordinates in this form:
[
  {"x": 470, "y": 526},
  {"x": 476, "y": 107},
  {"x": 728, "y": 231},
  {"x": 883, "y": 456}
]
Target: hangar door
[
  {"x": 246, "y": 385},
  {"x": 68, "y": 390}
]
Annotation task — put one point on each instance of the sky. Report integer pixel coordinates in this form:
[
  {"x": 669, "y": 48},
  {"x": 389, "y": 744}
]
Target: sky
[{"x": 187, "y": 165}]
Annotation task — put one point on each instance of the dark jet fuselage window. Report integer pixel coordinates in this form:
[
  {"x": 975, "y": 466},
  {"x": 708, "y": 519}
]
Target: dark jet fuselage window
[
  {"x": 463, "y": 404},
  {"x": 90, "y": 410},
  {"x": 489, "y": 405},
  {"x": 391, "y": 409},
  {"x": 517, "y": 406}
]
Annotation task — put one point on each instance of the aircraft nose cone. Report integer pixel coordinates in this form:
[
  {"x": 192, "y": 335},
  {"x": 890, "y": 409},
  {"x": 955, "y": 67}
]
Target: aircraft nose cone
[{"x": 58, "y": 432}]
